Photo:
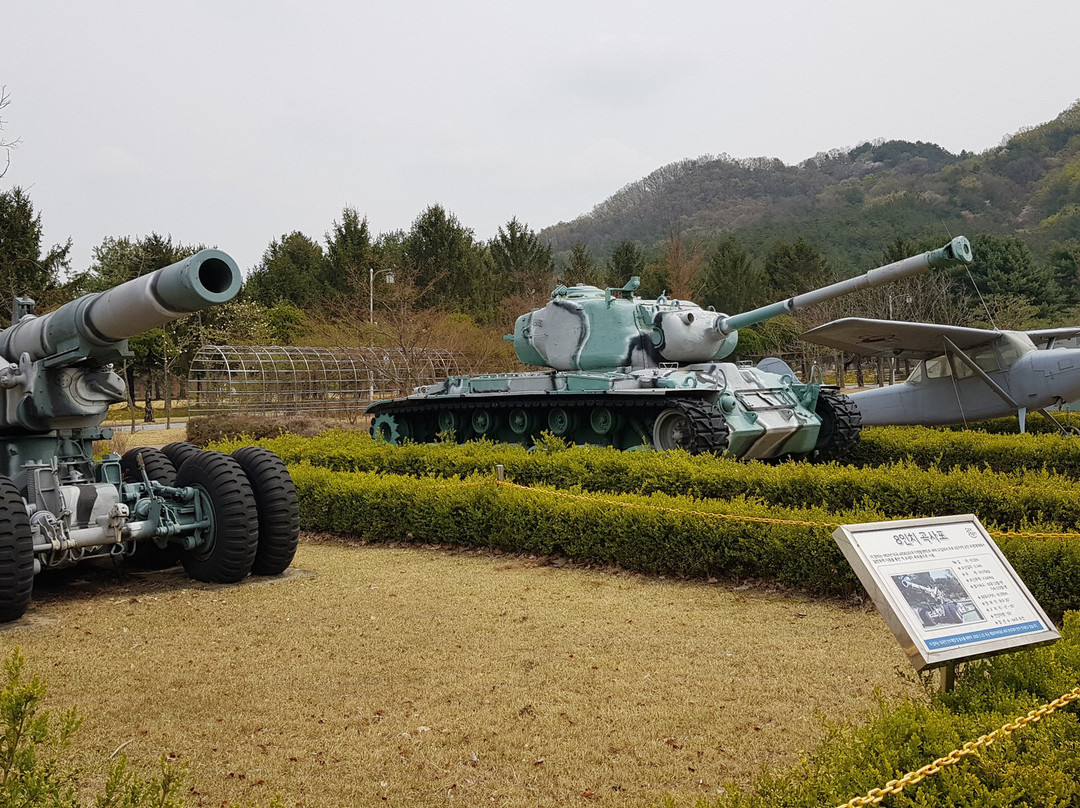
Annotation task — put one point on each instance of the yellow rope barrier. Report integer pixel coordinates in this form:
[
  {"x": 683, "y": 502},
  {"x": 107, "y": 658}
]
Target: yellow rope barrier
[{"x": 875, "y": 796}]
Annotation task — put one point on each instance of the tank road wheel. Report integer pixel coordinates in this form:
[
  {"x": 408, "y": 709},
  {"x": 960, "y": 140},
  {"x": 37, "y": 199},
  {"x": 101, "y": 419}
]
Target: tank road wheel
[
  {"x": 278, "y": 507},
  {"x": 841, "y": 424},
  {"x": 560, "y": 421},
  {"x": 230, "y": 543},
  {"x": 482, "y": 422},
  {"x": 390, "y": 428},
  {"x": 16, "y": 553},
  {"x": 159, "y": 468},
  {"x": 522, "y": 422},
  {"x": 694, "y": 426},
  {"x": 179, "y": 451},
  {"x": 602, "y": 420}
]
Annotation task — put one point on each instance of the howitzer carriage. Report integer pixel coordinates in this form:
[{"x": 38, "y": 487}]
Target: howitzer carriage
[
  {"x": 632, "y": 373},
  {"x": 221, "y": 516}
]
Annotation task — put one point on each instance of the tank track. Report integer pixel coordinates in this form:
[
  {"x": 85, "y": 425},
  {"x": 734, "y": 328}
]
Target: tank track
[
  {"x": 624, "y": 422},
  {"x": 697, "y": 426},
  {"x": 841, "y": 424}
]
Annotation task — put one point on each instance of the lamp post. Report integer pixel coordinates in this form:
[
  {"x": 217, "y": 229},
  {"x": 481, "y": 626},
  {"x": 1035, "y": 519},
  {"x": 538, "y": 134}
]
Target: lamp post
[{"x": 372, "y": 274}]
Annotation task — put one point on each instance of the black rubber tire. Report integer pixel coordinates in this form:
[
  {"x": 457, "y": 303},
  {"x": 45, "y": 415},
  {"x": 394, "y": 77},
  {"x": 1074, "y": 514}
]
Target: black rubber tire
[
  {"x": 278, "y": 506},
  {"x": 179, "y": 451},
  {"x": 16, "y": 553},
  {"x": 841, "y": 424},
  {"x": 159, "y": 466},
  {"x": 228, "y": 555}
]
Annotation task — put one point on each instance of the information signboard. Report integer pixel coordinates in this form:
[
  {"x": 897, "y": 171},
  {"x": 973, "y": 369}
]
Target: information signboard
[{"x": 944, "y": 588}]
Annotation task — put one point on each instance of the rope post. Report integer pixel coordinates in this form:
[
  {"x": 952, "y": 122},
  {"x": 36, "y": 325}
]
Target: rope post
[{"x": 500, "y": 472}]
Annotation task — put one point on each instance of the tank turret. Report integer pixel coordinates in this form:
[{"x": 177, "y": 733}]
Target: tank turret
[
  {"x": 586, "y": 328},
  {"x": 634, "y": 373}
]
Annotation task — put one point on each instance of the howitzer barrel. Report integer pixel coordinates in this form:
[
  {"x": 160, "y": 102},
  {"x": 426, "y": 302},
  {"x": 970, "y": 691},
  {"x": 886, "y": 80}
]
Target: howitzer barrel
[
  {"x": 94, "y": 324},
  {"x": 957, "y": 251}
]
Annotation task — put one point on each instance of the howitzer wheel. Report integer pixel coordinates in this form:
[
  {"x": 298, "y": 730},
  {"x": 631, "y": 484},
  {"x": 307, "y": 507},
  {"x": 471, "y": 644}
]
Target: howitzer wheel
[
  {"x": 179, "y": 451},
  {"x": 16, "y": 553},
  {"x": 228, "y": 549},
  {"x": 692, "y": 425},
  {"x": 841, "y": 424},
  {"x": 278, "y": 507},
  {"x": 159, "y": 468}
]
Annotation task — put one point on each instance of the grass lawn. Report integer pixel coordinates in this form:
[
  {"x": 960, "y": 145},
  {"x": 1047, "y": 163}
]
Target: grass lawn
[{"x": 418, "y": 676}]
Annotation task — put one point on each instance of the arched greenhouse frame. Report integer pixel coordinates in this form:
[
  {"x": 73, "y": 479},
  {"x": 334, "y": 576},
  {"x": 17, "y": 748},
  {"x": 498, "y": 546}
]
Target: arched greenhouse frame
[{"x": 332, "y": 382}]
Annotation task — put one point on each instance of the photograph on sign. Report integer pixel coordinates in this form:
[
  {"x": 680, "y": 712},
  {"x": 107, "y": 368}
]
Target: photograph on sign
[
  {"x": 944, "y": 588},
  {"x": 938, "y": 598}
]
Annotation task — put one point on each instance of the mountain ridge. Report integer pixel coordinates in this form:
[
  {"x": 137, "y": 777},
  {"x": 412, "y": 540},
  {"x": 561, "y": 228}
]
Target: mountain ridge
[{"x": 850, "y": 202}]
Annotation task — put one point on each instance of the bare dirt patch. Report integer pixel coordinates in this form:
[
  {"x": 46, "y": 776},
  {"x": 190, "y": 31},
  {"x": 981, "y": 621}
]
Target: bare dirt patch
[{"x": 424, "y": 677}]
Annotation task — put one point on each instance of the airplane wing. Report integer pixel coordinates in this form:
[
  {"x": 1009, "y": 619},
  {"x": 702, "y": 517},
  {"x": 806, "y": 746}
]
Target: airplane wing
[
  {"x": 1042, "y": 336},
  {"x": 893, "y": 338}
]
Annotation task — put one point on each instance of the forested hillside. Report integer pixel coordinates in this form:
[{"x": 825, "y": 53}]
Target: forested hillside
[{"x": 849, "y": 204}]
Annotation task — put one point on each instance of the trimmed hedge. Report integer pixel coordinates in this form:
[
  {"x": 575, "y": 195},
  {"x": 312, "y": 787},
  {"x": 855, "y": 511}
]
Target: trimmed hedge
[
  {"x": 922, "y": 446},
  {"x": 951, "y": 449},
  {"x": 1011, "y": 501},
  {"x": 657, "y": 533}
]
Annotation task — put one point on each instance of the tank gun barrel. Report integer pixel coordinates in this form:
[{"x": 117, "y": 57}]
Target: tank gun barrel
[
  {"x": 956, "y": 252},
  {"x": 96, "y": 325}
]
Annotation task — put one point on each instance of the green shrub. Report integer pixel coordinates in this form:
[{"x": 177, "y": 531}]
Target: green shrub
[
  {"x": 949, "y": 449},
  {"x": 1011, "y": 501},
  {"x": 654, "y": 534}
]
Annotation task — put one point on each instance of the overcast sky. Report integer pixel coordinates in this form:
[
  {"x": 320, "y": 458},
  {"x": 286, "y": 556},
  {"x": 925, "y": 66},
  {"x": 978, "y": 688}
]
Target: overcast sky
[{"x": 232, "y": 122}]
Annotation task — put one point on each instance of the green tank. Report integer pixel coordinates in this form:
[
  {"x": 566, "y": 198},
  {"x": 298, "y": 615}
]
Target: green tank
[{"x": 634, "y": 373}]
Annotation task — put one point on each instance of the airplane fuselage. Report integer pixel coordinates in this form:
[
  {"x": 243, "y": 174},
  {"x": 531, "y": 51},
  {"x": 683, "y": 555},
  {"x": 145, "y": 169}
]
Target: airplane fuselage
[{"x": 946, "y": 390}]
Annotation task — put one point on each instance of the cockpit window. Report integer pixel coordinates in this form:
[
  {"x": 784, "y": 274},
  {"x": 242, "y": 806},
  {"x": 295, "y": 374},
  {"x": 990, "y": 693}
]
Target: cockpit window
[
  {"x": 990, "y": 358},
  {"x": 1013, "y": 345},
  {"x": 937, "y": 368}
]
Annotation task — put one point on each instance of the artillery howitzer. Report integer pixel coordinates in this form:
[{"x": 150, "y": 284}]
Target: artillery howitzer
[
  {"x": 221, "y": 516},
  {"x": 629, "y": 373}
]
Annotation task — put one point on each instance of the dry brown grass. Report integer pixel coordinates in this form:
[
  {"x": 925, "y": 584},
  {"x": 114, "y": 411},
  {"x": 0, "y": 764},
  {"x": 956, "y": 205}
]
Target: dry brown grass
[{"x": 432, "y": 677}]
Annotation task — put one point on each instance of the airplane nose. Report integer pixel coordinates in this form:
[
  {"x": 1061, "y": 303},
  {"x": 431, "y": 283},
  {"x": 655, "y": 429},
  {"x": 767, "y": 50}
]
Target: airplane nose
[{"x": 1061, "y": 366}]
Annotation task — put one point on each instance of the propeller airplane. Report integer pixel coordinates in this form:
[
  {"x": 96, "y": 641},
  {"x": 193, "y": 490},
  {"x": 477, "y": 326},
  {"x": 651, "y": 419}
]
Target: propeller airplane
[{"x": 963, "y": 374}]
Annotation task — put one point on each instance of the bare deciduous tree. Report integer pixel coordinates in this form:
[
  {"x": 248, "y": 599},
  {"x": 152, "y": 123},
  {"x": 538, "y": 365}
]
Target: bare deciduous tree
[
  {"x": 682, "y": 265},
  {"x": 6, "y": 145}
]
